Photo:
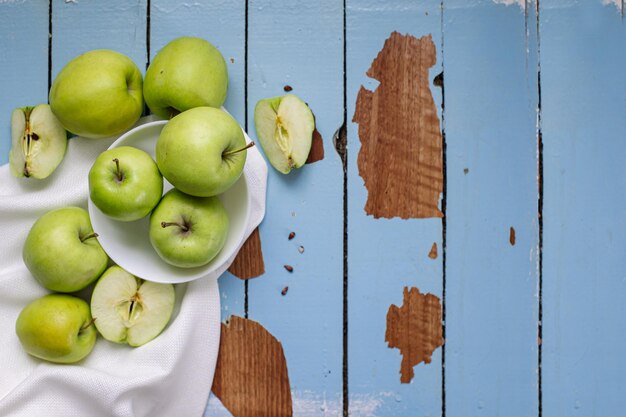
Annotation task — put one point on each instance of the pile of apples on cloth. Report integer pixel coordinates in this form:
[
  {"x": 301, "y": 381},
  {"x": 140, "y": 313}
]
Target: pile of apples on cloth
[{"x": 61, "y": 294}]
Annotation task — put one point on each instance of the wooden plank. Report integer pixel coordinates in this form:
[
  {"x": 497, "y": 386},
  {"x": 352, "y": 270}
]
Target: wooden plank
[
  {"x": 222, "y": 24},
  {"x": 251, "y": 377},
  {"x": 583, "y": 57},
  {"x": 299, "y": 45},
  {"x": 23, "y": 62},
  {"x": 386, "y": 255},
  {"x": 81, "y": 26},
  {"x": 492, "y": 234}
]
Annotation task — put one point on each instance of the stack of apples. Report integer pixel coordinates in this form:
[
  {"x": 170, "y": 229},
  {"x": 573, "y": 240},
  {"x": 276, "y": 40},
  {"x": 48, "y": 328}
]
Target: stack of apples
[{"x": 201, "y": 151}]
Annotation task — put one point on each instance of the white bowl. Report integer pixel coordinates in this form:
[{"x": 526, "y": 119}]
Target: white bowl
[{"x": 128, "y": 243}]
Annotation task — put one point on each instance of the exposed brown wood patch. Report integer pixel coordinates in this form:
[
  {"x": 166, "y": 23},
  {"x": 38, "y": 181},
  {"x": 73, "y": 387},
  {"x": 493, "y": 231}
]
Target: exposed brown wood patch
[
  {"x": 249, "y": 261},
  {"x": 512, "y": 236},
  {"x": 433, "y": 251},
  {"x": 317, "y": 148},
  {"x": 251, "y": 376},
  {"x": 415, "y": 329},
  {"x": 400, "y": 159}
]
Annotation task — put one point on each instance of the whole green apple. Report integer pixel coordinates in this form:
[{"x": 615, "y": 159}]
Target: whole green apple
[
  {"x": 61, "y": 250},
  {"x": 57, "y": 328},
  {"x": 202, "y": 151},
  {"x": 125, "y": 183},
  {"x": 98, "y": 94},
  {"x": 188, "y": 231},
  {"x": 188, "y": 72}
]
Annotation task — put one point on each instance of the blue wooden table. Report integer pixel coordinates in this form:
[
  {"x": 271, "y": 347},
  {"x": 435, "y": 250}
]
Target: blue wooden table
[{"x": 530, "y": 266}]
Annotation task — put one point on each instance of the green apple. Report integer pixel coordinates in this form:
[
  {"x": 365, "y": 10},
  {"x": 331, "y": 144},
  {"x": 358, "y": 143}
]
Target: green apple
[
  {"x": 39, "y": 142},
  {"x": 61, "y": 250},
  {"x": 202, "y": 151},
  {"x": 125, "y": 183},
  {"x": 131, "y": 310},
  {"x": 188, "y": 231},
  {"x": 98, "y": 94},
  {"x": 188, "y": 72},
  {"x": 57, "y": 328},
  {"x": 284, "y": 126}
]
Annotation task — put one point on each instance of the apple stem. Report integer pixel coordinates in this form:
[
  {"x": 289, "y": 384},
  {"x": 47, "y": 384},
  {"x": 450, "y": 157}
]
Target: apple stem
[
  {"x": 184, "y": 227},
  {"x": 120, "y": 176},
  {"x": 86, "y": 326},
  {"x": 249, "y": 145},
  {"x": 94, "y": 234}
]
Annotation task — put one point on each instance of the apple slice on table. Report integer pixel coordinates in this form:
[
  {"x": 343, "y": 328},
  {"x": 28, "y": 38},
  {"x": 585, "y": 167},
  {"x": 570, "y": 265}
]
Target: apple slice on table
[
  {"x": 130, "y": 310},
  {"x": 284, "y": 126},
  {"x": 188, "y": 231},
  {"x": 125, "y": 183},
  {"x": 57, "y": 328},
  {"x": 39, "y": 142}
]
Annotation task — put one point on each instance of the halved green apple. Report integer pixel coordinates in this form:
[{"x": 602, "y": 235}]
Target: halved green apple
[
  {"x": 284, "y": 126},
  {"x": 39, "y": 142},
  {"x": 130, "y": 310}
]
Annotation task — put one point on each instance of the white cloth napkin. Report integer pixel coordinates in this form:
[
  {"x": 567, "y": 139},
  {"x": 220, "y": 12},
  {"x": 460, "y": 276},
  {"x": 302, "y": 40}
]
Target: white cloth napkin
[{"x": 169, "y": 376}]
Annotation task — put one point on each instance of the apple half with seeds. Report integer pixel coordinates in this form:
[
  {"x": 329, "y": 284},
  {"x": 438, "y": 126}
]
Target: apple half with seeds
[
  {"x": 284, "y": 126},
  {"x": 130, "y": 310},
  {"x": 38, "y": 141}
]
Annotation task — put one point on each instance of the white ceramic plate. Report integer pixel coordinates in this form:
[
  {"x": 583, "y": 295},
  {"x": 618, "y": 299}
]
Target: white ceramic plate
[{"x": 128, "y": 243}]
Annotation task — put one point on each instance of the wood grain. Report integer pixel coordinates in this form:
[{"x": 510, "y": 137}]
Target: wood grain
[
  {"x": 433, "y": 251},
  {"x": 317, "y": 148},
  {"x": 491, "y": 301},
  {"x": 401, "y": 145},
  {"x": 251, "y": 378},
  {"x": 249, "y": 261},
  {"x": 23, "y": 61},
  {"x": 583, "y": 126},
  {"x": 391, "y": 248},
  {"x": 415, "y": 329},
  {"x": 308, "y": 201}
]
